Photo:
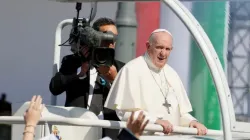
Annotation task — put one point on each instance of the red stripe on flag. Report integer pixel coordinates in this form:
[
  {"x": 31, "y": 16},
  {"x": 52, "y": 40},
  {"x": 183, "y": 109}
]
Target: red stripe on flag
[{"x": 148, "y": 19}]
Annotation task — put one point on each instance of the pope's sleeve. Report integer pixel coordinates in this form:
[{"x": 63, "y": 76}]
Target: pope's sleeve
[
  {"x": 184, "y": 106},
  {"x": 185, "y": 119},
  {"x": 125, "y": 93},
  {"x": 184, "y": 103}
]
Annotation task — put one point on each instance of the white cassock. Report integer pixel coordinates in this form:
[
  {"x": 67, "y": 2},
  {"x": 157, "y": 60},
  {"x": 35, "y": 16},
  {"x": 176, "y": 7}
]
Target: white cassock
[{"x": 141, "y": 86}]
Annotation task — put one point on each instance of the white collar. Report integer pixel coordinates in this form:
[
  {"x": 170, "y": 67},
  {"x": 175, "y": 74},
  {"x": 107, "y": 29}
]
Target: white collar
[
  {"x": 150, "y": 63},
  {"x": 92, "y": 70}
]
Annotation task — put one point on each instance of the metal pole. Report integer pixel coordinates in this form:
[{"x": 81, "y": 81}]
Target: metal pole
[
  {"x": 57, "y": 50},
  {"x": 103, "y": 124},
  {"x": 248, "y": 86},
  {"x": 127, "y": 26}
]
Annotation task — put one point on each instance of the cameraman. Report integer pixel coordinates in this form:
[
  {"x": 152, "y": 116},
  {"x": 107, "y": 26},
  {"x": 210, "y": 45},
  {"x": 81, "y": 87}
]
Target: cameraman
[{"x": 84, "y": 84}]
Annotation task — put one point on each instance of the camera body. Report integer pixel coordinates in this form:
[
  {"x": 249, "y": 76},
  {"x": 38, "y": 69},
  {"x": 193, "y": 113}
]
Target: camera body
[{"x": 82, "y": 35}]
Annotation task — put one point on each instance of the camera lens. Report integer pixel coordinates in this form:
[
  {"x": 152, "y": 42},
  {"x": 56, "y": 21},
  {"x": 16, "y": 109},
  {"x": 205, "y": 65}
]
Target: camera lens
[{"x": 101, "y": 58}]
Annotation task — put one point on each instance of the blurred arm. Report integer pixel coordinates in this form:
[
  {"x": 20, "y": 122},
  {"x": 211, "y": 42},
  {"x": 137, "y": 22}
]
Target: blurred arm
[{"x": 66, "y": 75}]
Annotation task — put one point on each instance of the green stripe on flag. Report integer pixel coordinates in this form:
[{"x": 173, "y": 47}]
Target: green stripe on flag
[{"x": 203, "y": 96}]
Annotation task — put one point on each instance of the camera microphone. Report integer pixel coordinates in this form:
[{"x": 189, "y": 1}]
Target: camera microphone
[
  {"x": 88, "y": 37},
  {"x": 93, "y": 38},
  {"x": 109, "y": 36}
]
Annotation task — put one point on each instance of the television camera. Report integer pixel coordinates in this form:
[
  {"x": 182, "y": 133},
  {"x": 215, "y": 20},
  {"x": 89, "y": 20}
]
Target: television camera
[{"x": 83, "y": 35}]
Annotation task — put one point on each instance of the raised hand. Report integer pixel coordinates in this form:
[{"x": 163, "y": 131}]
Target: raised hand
[
  {"x": 138, "y": 125},
  {"x": 33, "y": 113}
]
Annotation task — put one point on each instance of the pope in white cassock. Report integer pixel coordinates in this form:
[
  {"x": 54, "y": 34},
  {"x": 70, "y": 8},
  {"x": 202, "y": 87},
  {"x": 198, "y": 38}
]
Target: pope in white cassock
[{"x": 149, "y": 84}]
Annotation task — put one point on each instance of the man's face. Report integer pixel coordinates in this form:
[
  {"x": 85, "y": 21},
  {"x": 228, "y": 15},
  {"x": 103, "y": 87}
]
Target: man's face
[
  {"x": 109, "y": 28},
  {"x": 160, "y": 48}
]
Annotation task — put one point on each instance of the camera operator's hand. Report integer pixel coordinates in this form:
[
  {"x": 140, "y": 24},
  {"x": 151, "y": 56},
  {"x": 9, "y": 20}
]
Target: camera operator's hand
[
  {"x": 85, "y": 65},
  {"x": 108, "y": 72},
  {"x": 84, "y": 69},
  {"x": 85, "y": 51}
]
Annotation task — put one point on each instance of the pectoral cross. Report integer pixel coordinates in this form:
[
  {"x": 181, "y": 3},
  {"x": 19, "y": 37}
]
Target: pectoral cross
[{"x": 167, "y": 105}]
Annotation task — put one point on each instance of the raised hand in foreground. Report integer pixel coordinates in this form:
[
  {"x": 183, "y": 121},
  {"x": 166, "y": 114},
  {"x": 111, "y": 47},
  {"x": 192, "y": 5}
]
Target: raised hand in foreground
[
  {"x": 32, "y": 116},
  {"x": 137, "y": 126}
]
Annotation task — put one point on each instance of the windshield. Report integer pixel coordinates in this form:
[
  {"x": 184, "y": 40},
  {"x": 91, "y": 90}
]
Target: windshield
[{"x": 227, "y": 24}]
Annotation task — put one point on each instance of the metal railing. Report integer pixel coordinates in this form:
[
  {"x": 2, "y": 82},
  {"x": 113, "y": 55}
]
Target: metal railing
[{"x": 103, "y": 124}]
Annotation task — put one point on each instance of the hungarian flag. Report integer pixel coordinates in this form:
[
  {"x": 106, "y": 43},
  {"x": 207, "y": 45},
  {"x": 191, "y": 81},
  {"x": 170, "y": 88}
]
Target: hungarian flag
[
  {"x": 186, "y": 58},
  {"x": 148, "y": 19}
]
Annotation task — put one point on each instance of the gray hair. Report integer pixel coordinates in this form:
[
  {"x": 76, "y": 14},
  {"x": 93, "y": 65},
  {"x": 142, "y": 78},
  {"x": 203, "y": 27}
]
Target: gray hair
[{"x": 151, "y": 37}]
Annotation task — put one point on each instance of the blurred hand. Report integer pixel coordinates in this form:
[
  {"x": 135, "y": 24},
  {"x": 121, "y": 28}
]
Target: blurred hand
[
  {"x": 167, "y": 126},
  {"x": 109, "y": 73},
  {"x": 85, "y": 51},
  {"x": 33, "y": 113},
  {"x": 137, "y": 126},
  {"x": 84, "y": 69},
  {"x": 202, "y": 130}
]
